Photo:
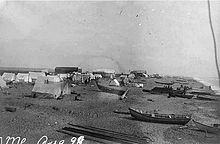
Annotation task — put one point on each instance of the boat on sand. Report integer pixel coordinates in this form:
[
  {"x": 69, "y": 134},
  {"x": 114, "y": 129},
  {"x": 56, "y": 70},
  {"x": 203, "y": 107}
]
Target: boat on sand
[
  {"x": 215, "y": 128},
  {"x": 160, "y": 118},
  {"x": 105, "y": 87},
  {"x": 180, "y": 93}
]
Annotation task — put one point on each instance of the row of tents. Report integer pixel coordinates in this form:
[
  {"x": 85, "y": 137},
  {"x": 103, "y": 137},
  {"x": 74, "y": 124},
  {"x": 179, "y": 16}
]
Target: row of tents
[
  {"x": 22, "y": 77},
  {"x": 50, "y": 85},
  {"x": 54, "y": 85},
  {"x": 31, "y": 77}
]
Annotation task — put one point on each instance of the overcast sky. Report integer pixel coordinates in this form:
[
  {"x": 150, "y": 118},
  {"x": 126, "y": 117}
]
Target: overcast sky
[{"x": 168, "y": 37}]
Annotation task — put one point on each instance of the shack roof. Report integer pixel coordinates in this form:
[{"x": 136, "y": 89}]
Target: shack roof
[{"x": 63, "y": 70}]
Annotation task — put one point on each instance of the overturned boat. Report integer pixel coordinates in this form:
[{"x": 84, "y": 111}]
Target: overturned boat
[
  {"x": 160, "y": 118},
  {"x": 106, "y": 86}
]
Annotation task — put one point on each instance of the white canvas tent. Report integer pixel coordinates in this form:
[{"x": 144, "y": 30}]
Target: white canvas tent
[
  {"x": 92, "y": 77},
  {"x": 97, "y": 75},
  {"x": 114, "y": 82},
  {"x": 22, "y": 77},
  {"x": 8, "y": 77},
  {"x": 54, "y": 90},
  {"x": 62, "y": 76},
  {"x": 2, "y": 83},
  {"x": 47, "y": 79},
  {"x": 33, "y": 75},
  {"x": 77, "y": 77}
]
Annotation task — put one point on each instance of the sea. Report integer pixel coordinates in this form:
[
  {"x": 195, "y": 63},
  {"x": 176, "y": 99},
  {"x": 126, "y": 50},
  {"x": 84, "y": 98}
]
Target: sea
[{"x": 210, "y": 81}]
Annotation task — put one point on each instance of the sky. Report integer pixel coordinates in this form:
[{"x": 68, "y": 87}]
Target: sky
[{"x": 166, "y": 37}]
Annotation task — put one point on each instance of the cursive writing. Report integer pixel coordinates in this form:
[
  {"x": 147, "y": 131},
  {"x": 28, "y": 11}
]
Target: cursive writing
[{"x": 42, "y": 140}]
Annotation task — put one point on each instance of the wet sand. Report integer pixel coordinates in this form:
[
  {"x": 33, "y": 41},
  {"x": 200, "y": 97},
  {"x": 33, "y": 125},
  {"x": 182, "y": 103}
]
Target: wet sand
[{"x": 36, "y": 117}]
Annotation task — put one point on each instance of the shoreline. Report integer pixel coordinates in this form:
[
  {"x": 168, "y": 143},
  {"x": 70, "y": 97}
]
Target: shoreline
[{"x": 214, "y": 87}]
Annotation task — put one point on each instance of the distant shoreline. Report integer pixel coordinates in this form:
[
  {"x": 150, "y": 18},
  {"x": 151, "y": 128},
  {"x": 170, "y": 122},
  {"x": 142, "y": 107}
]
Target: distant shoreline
[
  {"x": 214, "y": 86},
  {"x": 203, "y": 80}
]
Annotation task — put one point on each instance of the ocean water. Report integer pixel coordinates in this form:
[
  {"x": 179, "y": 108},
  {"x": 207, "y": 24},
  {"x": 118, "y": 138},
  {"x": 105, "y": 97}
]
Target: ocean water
[{"x": 210, "y": 81}]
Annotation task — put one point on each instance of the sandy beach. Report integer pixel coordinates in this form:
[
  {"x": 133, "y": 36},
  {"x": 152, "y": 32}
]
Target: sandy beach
[{"x": 37, "y": 117}]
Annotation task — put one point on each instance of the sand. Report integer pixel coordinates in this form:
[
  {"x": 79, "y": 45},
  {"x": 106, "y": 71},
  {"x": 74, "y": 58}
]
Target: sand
[{"x": 36, "y": 117}]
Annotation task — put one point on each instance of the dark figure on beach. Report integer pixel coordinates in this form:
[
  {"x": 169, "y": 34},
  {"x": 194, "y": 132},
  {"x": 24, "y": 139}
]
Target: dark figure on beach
[
  {"x": 184, "y": 90},
  {"x": 77, "y": 97},
  {"x": 122, "y": 82},
  {"x": 86, "y": 81}
]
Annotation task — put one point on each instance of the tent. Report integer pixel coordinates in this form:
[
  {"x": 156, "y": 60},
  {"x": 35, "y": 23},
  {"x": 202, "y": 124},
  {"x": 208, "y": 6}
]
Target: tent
[
  {"x": 77, "y": 77},
  {"x": 62, "y": 76},
  {"x": 114, "y": 82},
  {"x": 97, "y": 75},
  {"x": 131, "y": 76},
  {"x": 54, "y": 90},
  {"x": 92, "y": 77},
  {"x": 2, "y": 83},
  {"x": 47, "y": 79},
  {"x": 139, "y": 73},
  {"x": 22, "y": 77},
  {"x": 8, "y": 77},
  {"x": 33, "y": 75},
  {"x": 85, "y": 77}
]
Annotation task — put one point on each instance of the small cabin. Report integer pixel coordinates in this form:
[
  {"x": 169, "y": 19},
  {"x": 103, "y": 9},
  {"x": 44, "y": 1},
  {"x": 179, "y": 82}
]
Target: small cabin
[{"x": 64, "y": 70}]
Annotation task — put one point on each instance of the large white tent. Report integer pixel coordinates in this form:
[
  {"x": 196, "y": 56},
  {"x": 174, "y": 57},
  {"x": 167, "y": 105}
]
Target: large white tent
[
  {"x": 8, "y": 77},
  {"x": 34, "y": 75},
  {"x": 2, "y": 83},
  {"x": 54, "y": 90}
]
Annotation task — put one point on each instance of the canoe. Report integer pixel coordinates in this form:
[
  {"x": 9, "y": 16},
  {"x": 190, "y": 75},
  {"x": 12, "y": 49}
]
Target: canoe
[
  {"x": 161, "y": 90},
  {"x": 111, "y": 89},
  {"x": 160, "y": 118},
  {"x": 207, "y": 128}
]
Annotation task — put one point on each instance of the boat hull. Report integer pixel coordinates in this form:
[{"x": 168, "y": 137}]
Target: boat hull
[
  {"x": 161, "y": 118},
  {"x": 111, "y": 89},
  {"x": 207, "y": 128}
]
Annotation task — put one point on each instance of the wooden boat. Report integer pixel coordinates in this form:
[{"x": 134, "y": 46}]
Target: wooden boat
[
  {"x": 179, "y": 93},
  {"x": 161, "y": 90},
  {"x": 205, "y": 97},
  {"x": 215, "y": 128},
  {"x": 160, "y": 118},
  {"x": 110, "y": 89},
  {"x": 121, "y": 112}
]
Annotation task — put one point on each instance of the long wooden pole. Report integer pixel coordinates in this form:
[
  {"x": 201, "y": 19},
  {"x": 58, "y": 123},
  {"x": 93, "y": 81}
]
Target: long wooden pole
[{"x": 214, "y": 42}]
